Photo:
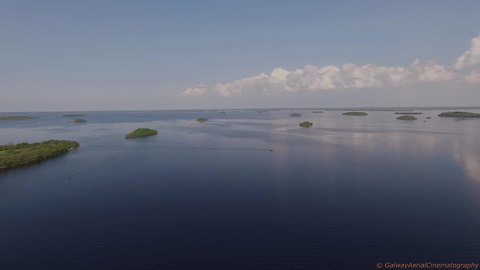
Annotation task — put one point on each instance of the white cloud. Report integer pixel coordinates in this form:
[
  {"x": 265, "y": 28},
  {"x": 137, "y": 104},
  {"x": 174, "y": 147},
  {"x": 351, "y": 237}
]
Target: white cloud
[
  {"x": 199, "y": 90},
  {"x": 352, "y": 76},
  {"x": 471, "y": 57}
]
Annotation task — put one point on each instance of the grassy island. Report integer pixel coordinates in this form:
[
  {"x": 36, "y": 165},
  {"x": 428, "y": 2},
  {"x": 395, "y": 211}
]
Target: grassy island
[
  {"x": 407, "y": 113},
  {"x": 306, "y": 124},
  {"x": 460, "y": 114},
  {"x": 295, "y": 115},
  {"x": 15, "y": 155},
  {"x": 355, "y": 113},
  {"x": 407, "y": 117},
  {"x": 141, "y": 132},
  {"x": 15, "y": 118},
  {"x": 315, "y": 111},
  {"x": 80, "y": 121},
  {"x": 202, "y": 120},
  {"x": 74, "y": 115}
]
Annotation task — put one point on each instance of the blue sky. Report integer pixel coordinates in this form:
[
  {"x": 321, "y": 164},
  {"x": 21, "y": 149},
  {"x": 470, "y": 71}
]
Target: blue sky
[{"x": 108, "y": 55}]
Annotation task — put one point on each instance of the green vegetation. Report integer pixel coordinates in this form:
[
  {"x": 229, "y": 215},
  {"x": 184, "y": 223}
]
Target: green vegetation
[
  {"x": 141, "y": 132},
  {"x": 314, "y": 111},
  {"x": 15, "y": 118},
  {"x": 295, "y": 115},
  {"x": 355, "y": 113},
  {"x": 460, "y": 114},
  {"x": 202, "y": 120},
  {"x": 14, "y": 155},
  {"x": 407, "y": 117},
  {"x": 306, "y": 124},
  {"x": 74, "y": 115},
  {"x": 80, "y": 121},
  {"x": 406, "y": 113}
]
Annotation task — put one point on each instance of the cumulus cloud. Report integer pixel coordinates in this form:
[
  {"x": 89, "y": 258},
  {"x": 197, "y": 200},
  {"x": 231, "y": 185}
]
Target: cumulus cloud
[
  {"x": 352, "y": 76},
  {"x": 471, "y": 57},
  {"x": 199, "y": 90}
]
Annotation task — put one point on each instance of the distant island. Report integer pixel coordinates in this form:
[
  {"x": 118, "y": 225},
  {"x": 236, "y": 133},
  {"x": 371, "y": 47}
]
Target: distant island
[
  {"x": 141, "y": 132},
  {"x": 355, "y": 113},
  {"x": 73, "y": 115},
  {"x": 295, "y": 115},
  {"x": 15, "y": 155},
  {"x": 404, "y": 113},
  {"x": 315, "y": 111},
  {"x": 15, "y": 118},
  {"x": 306, "y": 124},
  {"x": 80, "y": 121},
  {"x": 460, "y": 114},
  {"x": 407, "y": 117},
  {"x": 202, "y": 120}
]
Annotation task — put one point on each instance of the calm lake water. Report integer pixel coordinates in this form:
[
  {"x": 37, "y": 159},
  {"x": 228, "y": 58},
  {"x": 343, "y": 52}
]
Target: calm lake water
[{"x": 345, "y": 194}]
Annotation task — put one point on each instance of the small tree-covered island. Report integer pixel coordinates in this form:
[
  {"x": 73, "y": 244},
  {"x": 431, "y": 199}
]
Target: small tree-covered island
[
  {"x": 355, "y": 113},
  {"x": 80, "y": 121},
  {"x": 16, "y": 155},
  {"x": 460, "y": 114},
  {"x": 295, "y": 115},
  {"x": 407, "y": 117},
  {"x": 306, "y": 124},
  {"x": 405, "y": 113},
  {"x": 15, "y": 117},
  {"x": 74, "y": 115},
  {"x": 202, "y": 120},
  {"x": 141, "y": 132}
]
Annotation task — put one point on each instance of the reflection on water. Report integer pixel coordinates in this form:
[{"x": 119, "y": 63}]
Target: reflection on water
[{"x": 346, "y": 193}]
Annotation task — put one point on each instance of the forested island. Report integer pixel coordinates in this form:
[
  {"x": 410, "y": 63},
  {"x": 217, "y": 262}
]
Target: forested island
[
  {"x": 355, "y": 113},
  {"x": 141, "y": 132},
  {"x": 460, "y": 114},
  {"x": 15, "y": 117},
  {"x": 306, "y": 124},
  {"x": 80, "y": 121},
  {"x": 202, "y": 120},
  {"x": 295, "y": 115},
  {"x": 15, "y": 155},
  {"x": 406, "y": 113},
  {"x": 74, "y": 115},
  {"x": 407, "y": 117}
]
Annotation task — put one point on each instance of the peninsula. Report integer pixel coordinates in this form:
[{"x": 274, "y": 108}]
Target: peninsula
[{"x": 15, "y": 155}]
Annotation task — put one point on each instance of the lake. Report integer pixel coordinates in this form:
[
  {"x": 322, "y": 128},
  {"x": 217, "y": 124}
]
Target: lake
[{"x": 347, "y": 193}]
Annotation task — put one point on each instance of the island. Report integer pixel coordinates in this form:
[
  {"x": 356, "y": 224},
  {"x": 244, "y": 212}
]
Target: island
[
  {"x": 80, "y": 121},
  {"x": 141, "y": 132},
  {"x": 306, "y": 124},
  {"x": 74, "y": 115},
  {"x": 355, "y": 113},
  {"x": 315, "y": 111},
  {"x": 460, "y": 114},
  {"x": 405, "y": 113},
  {"x": 295, "y": 115},
  {"x": 202, "y": 120},
  {"x": 15, "y": 118},
  {"x": 407, "y": 117},
  {"x": 15, "y": 155}
]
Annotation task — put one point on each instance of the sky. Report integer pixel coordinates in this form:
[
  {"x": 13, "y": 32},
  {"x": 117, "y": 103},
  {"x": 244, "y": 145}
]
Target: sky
[{"x": 140, "y": 55}]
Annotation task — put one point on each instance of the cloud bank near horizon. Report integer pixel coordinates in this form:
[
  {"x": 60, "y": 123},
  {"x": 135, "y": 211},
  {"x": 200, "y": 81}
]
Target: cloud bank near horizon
[{"x": 466, "y": 69}]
